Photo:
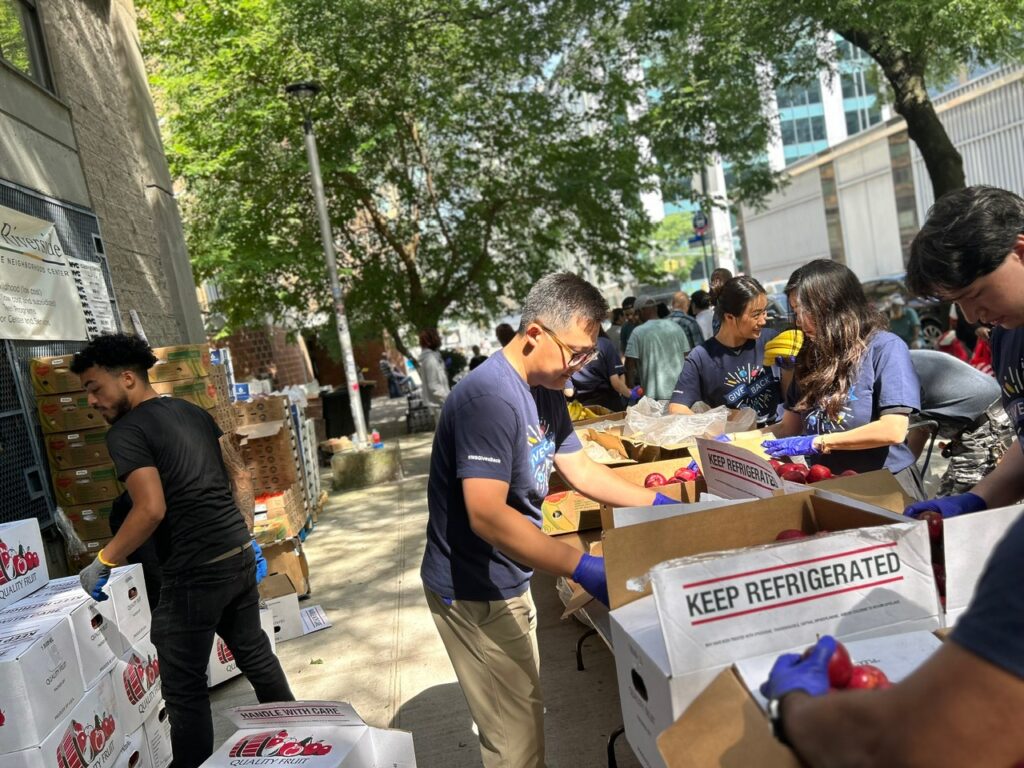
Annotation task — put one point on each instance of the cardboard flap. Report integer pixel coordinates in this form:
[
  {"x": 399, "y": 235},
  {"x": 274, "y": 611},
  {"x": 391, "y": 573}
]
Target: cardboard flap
[
  {"x": 734, "y": 472},
  {"x": 276, "y": 585},
  {"x": 333, "y": 713},
  {"x": 724, "y": 727},
  {"x": 392, "y": 748},
  {"x": 879, "y": 488},
  {"x": 259, "y": 430}
]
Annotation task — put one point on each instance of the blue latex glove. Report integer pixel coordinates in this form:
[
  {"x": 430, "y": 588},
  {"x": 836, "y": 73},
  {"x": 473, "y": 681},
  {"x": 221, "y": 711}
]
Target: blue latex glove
[
  {"x": 589, "y": 574},
  {"x": 801, "y": 445},
  {"x": 261, "y": 561},
  {"x": 786, "y": 362},
  {"x": 661, "y": 498},
  {"x": 635, "y": 394},
  {"x": 93, "y": 578},
  {"x": 948, "y": 506},
  {"x": 723, "y": 438},
  {"x": 792, "y": 672}
]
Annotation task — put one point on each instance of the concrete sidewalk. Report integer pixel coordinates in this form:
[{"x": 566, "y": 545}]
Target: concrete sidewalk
[{"x": 383, "y": 653}]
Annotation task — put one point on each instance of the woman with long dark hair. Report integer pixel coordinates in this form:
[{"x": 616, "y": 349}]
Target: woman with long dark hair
[
  {"x": 854, "y": 389},
  {"x": 727, "y": 369}
]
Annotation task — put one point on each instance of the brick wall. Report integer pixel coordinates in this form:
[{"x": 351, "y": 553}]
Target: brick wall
[
  {"x": 329, "y": 371},
  {"x": 254, "y": 350}
]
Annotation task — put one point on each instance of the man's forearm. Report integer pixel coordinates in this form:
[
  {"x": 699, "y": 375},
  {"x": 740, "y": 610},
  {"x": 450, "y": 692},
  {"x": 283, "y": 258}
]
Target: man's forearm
[
  {"x": 601, "y": 484},
  {"x": 838, "y": 731},
  {"x": 1003, "y": 485},
  {"x": 517, "y": 537},
  {"x": 133, "y": 533}
]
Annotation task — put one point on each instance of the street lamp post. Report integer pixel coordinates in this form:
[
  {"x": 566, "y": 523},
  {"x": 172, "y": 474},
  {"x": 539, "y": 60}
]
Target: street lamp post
[{"x": 305, "y": 94}]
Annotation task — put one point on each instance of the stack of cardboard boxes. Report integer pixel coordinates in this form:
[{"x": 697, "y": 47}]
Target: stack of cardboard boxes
[{"x": 79, "y": 680}]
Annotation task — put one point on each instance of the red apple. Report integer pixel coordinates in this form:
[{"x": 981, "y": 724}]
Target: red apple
[
  {"x": 790, "y": 533},
  {"x": 672, "y": 480},
  {"x": 794, "y": 476},
  {"x": 939, "y": 570},
  {"x": 840, "y": 667},
  {"x": 866, "y": 677},
  {"x": 934, "y": 520},
  {"x": 654, "y": 480},
  {"x": 686, "y": 474},
  {"x": 777, "y": 465},
  {"x": 818, "y": 472},
  {"x": 848, "y": 473}
]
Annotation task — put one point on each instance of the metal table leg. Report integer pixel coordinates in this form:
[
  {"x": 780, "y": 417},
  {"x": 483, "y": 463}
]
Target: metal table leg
[
  {"x": 611, "y": 745},
  {"x": 579, "y": 648}
]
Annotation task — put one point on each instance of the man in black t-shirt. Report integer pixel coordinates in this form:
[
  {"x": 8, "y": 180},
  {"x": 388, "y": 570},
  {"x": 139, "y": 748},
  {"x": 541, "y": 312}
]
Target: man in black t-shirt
[
  {"x": 964, "y": 705},
  {"x": 167, "y": 452}
]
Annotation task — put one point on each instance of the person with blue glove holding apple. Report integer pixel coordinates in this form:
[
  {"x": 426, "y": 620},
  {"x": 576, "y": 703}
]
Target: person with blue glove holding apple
[
  {"x": 169, "y": 454},
  {"x": 968, "y": 697},
  {"x": 854, "y": 386},
  {"x": 501, "y": 432}
]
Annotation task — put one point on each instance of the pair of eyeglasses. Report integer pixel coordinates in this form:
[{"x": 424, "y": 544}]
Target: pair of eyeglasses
[{"x": 576, "y": 359}]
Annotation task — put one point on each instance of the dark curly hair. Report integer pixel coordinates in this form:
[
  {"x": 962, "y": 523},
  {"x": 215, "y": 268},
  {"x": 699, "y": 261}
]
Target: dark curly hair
[{"x": 116, "y": 352}]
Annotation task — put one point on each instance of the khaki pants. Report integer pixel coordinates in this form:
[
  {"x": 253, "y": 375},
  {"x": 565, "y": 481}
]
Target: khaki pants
[{"x": 493, "y": 648}]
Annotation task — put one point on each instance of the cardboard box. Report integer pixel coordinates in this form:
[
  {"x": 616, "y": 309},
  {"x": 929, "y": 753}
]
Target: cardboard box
[
  {"x": 158, "y": 738},
  {"x": 278, "y": 592},
  {"x": 569, "y": 511},
  {"x": 40, "y": 681},
  {"x": 91, "y": 521},
  {"x": 88, "y": 627},
  {"x": 67, "y": 413},
  {"x": 688, "y": 492},
  {"x": 90, "y": 736},
  {"x": 287, "y": 557},
  {"x": 263, "y": 409},
  {"x": 283, "y": 506},
  {"x": 197, "y": 391},
  {"x": 134, "y": 752},
  {"x": 727, "y": 724},
  {"x": 222, "y": 665},
  {"x": 22, "y": 561},
  {"x": 347, "y": 741},
  {"x": 137, "y": 684},
  {"x": 86, "y": 485},
  {"x": 268, "y": 449},
  {"x": 86, "y": 448},
  {"x": 178, "y": 363},
  {"x": 52, "y": 375}
]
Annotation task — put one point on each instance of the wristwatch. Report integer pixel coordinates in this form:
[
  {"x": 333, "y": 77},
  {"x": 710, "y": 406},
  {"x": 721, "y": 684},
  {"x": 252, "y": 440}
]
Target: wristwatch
[{"x": 775, "y": 718}]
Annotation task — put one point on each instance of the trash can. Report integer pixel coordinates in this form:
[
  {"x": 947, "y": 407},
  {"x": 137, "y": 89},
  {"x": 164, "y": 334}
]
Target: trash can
[{"x": 338, "y": 413}]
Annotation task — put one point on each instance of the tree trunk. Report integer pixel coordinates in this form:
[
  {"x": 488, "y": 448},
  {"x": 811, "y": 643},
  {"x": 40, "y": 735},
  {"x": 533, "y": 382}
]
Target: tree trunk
[{"x": 910, "y": 99}]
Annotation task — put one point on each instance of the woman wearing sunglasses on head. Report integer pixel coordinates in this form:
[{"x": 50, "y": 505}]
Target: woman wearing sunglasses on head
[
  {"x": 854, "y": 389},
  {"x": 728, "y": 368}
]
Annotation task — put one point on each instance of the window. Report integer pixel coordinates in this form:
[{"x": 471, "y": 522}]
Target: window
[{"x": 21, "y": 40}]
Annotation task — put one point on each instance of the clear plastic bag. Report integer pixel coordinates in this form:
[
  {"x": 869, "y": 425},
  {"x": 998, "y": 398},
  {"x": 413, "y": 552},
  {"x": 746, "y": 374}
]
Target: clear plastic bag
[{"x": 649, "y": 422}]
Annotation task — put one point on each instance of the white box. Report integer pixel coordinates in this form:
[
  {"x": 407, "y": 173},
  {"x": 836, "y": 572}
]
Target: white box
[
  {"x": 134, "y": 752},
  {"x": 279, "y": 596},
  {"x": 88, "y": 626},
  {"x": 222, "y": 665},
  {"x": 968, "y": 541},
  {"x": 319, "y": 734},
  {"x": 89, "y": 736},
  {"x": 40, "y": 682},
  {"x": 158, "y": 738},
  {"x": 137, "y": 684},
  {"x": 651, "y": 697},
  {"x": 719, "y": 607},
  {"x": 22, "y": 560}
]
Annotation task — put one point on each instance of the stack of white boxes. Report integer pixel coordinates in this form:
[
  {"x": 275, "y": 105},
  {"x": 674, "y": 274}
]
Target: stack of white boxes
[{"x": 79, "y": 682}]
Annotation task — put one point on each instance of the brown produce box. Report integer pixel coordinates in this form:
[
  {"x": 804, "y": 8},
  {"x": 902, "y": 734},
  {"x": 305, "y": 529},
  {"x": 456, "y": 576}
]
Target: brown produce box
[
  {"x": 269, "y": 454},
  {"x": 80, "y": 560},
  {"x": 182, "y": 362},
  {"x": 67, "y": 412},
  {"x": 88, "y": 447},
  {"x": 288, "y": 558},
  {"x": 263, "y": 409},
  {"x": 91, "y": 521},
  {"x": 197, "y": 391},
  {"x": 51, "y": 375},
  {"x": 74, "y": 487}
]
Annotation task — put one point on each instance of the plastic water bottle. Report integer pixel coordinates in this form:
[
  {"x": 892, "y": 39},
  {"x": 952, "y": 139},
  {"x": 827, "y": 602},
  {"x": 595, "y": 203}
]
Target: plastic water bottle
[{"x": 375, "y": 439}]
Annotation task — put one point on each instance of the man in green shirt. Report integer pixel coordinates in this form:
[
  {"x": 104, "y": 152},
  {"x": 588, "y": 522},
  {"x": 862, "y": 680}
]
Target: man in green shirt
[
  {"x": 655, "y": 352},
  {"x": 904, "y": 322}
]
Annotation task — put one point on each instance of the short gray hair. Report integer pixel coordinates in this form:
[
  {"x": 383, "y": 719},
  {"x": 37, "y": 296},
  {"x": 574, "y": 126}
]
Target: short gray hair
[{"x": 558, "y": 299}]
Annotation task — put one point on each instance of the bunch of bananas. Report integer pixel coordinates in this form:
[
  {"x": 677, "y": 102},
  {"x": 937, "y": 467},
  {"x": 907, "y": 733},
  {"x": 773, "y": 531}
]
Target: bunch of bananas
[{"x": 578, "y": 412}]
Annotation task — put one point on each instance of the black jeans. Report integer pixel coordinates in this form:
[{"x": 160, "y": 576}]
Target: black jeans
[{"x": 218, "y": 597}]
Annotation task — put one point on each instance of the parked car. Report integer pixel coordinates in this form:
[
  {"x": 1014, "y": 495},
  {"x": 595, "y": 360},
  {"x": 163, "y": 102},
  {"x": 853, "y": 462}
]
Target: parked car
[{"x": 934, "y": 315}]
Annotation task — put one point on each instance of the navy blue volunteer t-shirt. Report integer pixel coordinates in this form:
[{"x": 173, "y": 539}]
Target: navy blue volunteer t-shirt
[
  {"x": 597, "y": 374},
  {"x": 720, "y": 375},
  {"x": 493, "y": 425},
  {"x": 1008, "y": 364},
  {"x": 885, "y": 383}
]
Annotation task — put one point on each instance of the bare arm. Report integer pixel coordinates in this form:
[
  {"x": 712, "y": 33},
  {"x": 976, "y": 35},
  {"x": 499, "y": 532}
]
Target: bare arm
[
  {"x": 887, "y": 430},
  {"x": 507, "y": 530},
  {"x": 598, "y": 482},
  {"x": 618, "y": 382},
  {"x": 679, "y": 408},
  {"x": 1003, "y": 485},
  {"x": 239, "y": 477},
  {"x": 955, "y": 710},
  {"x": 148, "y": 510}
]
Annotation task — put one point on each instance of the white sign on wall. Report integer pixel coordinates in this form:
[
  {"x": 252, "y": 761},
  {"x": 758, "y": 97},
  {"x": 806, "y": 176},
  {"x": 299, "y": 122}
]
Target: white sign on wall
[{"x": 38, "y": 297}]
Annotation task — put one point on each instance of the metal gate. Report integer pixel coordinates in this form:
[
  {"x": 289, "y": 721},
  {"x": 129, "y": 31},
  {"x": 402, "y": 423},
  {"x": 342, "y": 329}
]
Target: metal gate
[{"x": 25, "y": 484}]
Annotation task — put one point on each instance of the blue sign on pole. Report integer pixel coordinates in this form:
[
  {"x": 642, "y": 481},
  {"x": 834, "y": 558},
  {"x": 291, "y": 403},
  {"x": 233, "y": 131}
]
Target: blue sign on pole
[{"x": 696, "y": 240}]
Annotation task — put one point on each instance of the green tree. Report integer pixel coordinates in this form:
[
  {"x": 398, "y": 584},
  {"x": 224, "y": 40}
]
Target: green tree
[
  {"x": 464, "y": 153},
  {"x": 669, "y": 248},
  {"x": 731, "y": 53}
]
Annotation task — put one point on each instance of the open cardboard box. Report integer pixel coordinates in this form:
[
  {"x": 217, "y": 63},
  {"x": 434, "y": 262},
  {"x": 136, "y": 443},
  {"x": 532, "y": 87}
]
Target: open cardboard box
[
  {"x": 688, "y": 492},
  {"x": 661, "y": 669},
  {"x": 727, "y": 725},
  {"x": 272, "y": 735},
  {"x": 278, "y": 592}
]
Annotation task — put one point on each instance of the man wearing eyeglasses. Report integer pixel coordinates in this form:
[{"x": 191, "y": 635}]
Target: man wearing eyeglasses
[{"x": 500, "y": 433}]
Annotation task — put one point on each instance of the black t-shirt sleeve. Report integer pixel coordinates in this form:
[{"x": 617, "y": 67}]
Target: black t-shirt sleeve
[
  {"x": 485, "y": 431},
  {"x": 129, "y": 449},
  {"x": 993, "y": 625}
]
